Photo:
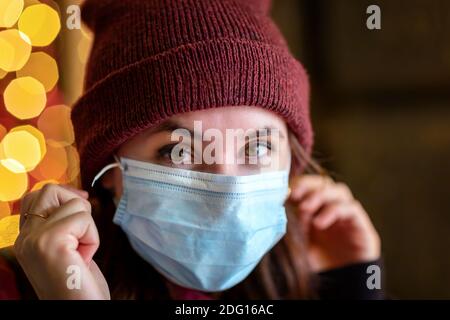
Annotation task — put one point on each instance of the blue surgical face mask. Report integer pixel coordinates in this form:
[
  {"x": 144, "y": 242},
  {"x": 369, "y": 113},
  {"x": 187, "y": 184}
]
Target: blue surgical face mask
[{"x": 200, "y": 230}]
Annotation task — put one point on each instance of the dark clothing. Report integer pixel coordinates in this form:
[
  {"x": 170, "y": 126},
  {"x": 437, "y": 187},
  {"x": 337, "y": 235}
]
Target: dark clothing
[{"x": 349, "y": 282}]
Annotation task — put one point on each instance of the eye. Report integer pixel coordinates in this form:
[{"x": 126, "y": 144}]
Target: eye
[
  {"x": 257, "y": 149},
  {"x": 175, "y": 154}
]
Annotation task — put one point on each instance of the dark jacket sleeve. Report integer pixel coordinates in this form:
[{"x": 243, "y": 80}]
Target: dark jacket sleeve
[
  {"x": 14, "y": 284},
  {"x": 8, "y": 284},
  {"x": 362, "y": 281}
]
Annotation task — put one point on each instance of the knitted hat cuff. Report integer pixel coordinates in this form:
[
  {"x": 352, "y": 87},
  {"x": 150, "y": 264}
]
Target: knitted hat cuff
[{"x": 196, "y": 76}]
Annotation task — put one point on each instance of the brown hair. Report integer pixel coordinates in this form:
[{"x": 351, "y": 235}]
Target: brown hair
[{"x": 283, "y": 273}]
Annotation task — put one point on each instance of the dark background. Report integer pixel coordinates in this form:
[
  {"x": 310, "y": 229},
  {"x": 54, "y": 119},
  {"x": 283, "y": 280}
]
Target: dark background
[{"x": 380, "y": 109}]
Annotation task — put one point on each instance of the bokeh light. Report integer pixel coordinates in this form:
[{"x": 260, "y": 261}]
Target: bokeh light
[
  {"x": 9, "y": 229},
  {"x": 56, "y": 125},
  {"x": 15, "y": 49},
  {"x": 12, "y": 185},
  {"x": 3, "y": 73},
  {"x": 53, "y": 165},
  {"x": 22, "y": 149},
  {"x": 3, "y": 132},
  {"x": 38, "y": 148},
  {"x": 43, "y": 68},
  {"x": 41, "y": 23},
  {"x": 5, "y": 209},
  {"x": 10, "y": 11},
  {"x": 39, "y": 185},
  {"x": 25, "y": 97}
]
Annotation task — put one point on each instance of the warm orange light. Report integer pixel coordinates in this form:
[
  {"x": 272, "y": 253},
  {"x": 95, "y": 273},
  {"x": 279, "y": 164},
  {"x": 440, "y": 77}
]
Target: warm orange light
[
  {"x": 41, "y": 23},
  {"x": 15, "y": 49},
  {"x": 10, "y": 11},
  {"x": 3, "y": 132},
  {"x": 53, "y": 165},
  {"x": 43, "y": 68},
  {"x": 56, "y": 125},
  {"x": 25, "y": 98},
  {"x": 9, "y": 230},
  {"x": 12, "y": 185},
  {"x": 40, "y": 184},
  {"x": 22, "y": 149},
  {"x": 5, "y": 209},
  {"x": 3, "y": 73}
]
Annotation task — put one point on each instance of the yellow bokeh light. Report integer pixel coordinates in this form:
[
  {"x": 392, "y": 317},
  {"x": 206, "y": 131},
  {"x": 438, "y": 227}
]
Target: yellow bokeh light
[
  {"x": 12, "y": 185},
  {"x": 41, "y": 23},
  {"x": 43, "y": 68},
  {"x": 22, "y": 149},
  {"x": 40, "y": 184},
  {"x": 53, "y": 165},
  {"x": 15, "y": 49},
  {"x": 9, "y": 230},
  {"x": 56, "y": 125},
  {"x": 3, "y": 132},
  {"x": 3, "y": 73},
  {"x": 5, "y": 209},
  {"x": 36, "y": 133},
  {"x": 10, "y": 11},
  {"x": 25, "y": 97}
]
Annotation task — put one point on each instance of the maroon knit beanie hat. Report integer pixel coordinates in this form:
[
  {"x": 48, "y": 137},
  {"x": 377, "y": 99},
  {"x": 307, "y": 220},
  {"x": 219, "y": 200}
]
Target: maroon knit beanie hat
[{"x": 152, "y": 59}]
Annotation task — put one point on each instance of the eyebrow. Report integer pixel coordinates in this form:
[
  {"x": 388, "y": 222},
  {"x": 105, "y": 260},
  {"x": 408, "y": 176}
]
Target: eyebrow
[{"x": 172, "y": 125}]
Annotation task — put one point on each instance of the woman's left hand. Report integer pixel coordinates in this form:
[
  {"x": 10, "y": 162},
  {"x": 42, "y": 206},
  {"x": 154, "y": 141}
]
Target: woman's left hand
[{"x": 337, "y": 228}]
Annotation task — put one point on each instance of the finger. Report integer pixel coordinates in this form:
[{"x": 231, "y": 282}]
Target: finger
[
  {"x": 334, "y": 212},
  {"x": 82, "y": 193},
  {"x": 301, "y": 185},
  {"x": 80, "y": 232},
  {"x": 49, "y": 198},
  {"x": 53, "y": 195},
  {"x": 25, "y": 204},
  {"x": 317, "y": 198},
  {"x": 71, "y": 207}
]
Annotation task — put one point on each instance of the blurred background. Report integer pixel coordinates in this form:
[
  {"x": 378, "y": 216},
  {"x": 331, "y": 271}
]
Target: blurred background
[{"x": 380, "y": 108}]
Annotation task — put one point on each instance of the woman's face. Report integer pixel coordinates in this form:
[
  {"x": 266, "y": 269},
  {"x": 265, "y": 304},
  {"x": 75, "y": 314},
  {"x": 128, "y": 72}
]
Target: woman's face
[{"x": 227, "y": 140}]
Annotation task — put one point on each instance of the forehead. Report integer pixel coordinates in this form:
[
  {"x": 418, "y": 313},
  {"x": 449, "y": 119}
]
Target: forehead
[{"x": 223, "y": 118}]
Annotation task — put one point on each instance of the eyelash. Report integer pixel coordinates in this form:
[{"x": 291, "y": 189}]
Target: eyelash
[{"x": 166, "y": 150}]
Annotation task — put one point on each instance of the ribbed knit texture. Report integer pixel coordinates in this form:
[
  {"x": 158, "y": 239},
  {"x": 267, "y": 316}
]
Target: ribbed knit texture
[{"x": 157, "y": 58}]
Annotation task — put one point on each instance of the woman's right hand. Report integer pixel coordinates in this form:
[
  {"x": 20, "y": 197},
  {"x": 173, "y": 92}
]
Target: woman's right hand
[{"x": 56, "y": 252}]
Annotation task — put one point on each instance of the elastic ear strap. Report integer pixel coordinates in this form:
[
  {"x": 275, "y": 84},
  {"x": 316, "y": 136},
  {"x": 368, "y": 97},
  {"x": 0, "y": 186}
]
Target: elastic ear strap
[{"x": 106, "y": 168}]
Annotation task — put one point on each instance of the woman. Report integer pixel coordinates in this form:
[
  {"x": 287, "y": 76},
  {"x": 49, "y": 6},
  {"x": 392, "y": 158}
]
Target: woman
[{"x": 183, "y": 205}]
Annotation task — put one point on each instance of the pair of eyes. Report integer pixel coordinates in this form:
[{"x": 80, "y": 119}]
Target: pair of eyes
[{"x": 256, "y": 149}]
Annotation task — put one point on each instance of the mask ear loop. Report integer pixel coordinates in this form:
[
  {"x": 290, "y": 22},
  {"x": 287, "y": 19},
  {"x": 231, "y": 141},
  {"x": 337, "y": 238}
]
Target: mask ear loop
[{"x": 106, "y": 168}]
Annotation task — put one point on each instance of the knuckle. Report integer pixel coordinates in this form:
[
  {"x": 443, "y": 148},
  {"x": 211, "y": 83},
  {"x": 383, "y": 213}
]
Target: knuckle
[
  {"x": 27, "y": 198},
  {"x": 357, "y": 205},
  {"x": 81, "y": 203},
  {"x": 344, "y": 188},
  {"x": 49, "y": 188},
  {"x": 325, "y": 181}
]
